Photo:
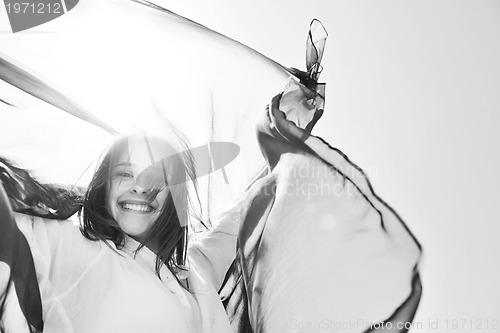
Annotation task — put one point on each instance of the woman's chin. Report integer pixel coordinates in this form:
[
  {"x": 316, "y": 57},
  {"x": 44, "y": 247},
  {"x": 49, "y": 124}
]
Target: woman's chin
[{"x": 135, "y": 227}]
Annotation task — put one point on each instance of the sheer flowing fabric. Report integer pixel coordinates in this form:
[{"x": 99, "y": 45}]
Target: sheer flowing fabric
[{"x": 317, "y": 245}]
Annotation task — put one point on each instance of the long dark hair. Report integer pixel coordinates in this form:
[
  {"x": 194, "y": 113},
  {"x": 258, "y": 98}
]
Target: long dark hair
[{"x": 169, "y": 233}]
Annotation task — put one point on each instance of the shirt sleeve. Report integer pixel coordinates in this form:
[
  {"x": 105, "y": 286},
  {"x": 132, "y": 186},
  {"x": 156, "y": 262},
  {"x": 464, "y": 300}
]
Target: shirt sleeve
[
  {"x": 61, "y": 255},
  {"x": 60, "y": 252},
  {"x": 215, "y": 252}
]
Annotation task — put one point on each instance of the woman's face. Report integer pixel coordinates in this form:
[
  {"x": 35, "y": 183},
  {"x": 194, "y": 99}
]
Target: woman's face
[{"x": 137, "y": 191}]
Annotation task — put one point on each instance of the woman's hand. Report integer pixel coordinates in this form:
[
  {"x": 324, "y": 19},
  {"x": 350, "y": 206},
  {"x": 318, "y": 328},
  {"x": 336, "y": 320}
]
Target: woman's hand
[
  {"x": 293, "y": 113},
  {"x": 288, "y": 121}
]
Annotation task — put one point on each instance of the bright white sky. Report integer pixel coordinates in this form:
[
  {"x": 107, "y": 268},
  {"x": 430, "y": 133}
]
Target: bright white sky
[{"x": 412, "y": 97}]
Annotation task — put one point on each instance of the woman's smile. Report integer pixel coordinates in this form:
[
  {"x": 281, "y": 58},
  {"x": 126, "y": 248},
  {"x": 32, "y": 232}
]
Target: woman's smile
[{"x": 136, "y": 206}]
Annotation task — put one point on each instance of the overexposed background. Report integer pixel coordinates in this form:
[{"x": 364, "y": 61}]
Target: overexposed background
[{"x": 413, "y": 97}]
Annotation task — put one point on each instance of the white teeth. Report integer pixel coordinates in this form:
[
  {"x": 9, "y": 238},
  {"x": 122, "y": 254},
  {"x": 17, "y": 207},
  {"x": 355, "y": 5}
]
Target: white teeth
[{"x": 139, "y": 208}]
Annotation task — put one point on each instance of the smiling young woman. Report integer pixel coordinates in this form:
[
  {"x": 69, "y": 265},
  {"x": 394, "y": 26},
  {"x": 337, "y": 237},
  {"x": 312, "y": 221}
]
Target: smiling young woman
[
  {"x": 130, "y": 195},
  {"x": 129, "y": 268}
]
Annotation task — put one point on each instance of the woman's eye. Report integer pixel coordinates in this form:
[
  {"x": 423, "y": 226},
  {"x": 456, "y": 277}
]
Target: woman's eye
[{"x": 124, "y": 174}]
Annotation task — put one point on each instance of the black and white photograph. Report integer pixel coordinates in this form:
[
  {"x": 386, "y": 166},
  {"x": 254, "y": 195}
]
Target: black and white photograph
[{"x": 255, "y": 166}]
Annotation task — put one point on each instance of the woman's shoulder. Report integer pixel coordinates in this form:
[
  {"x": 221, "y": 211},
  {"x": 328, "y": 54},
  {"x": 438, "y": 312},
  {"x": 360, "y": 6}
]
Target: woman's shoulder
[{"x": 53, "y": 237}]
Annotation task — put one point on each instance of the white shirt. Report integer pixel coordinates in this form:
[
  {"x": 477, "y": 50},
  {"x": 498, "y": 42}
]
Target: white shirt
[{"x": 90, "y": 286}]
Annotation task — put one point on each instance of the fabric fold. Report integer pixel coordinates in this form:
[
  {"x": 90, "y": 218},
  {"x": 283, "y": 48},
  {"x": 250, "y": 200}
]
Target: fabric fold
[
  {"x": 21, "y": 285},
  {"x": 318, "y": 249}
]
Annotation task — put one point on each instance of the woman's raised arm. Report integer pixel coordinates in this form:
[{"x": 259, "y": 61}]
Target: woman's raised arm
[{"x": 40, "y": 258}]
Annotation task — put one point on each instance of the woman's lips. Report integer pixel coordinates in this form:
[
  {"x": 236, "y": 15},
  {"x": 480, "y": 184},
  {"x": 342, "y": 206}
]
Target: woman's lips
[{"x": 136, "y": 206}]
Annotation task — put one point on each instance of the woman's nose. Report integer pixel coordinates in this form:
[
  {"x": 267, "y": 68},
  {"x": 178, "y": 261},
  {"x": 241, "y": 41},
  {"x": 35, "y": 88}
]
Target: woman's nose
[{"x": 138, "y": 189}]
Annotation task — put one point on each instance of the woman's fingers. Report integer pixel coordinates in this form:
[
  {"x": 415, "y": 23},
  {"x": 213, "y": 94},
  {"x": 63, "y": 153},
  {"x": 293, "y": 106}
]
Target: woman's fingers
[
  {"x": 297, "y": 97},
  {"x": 315, "y": 119},
  {"x": 284, "y": 127},
  {"x": 308, "y": 93}
]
